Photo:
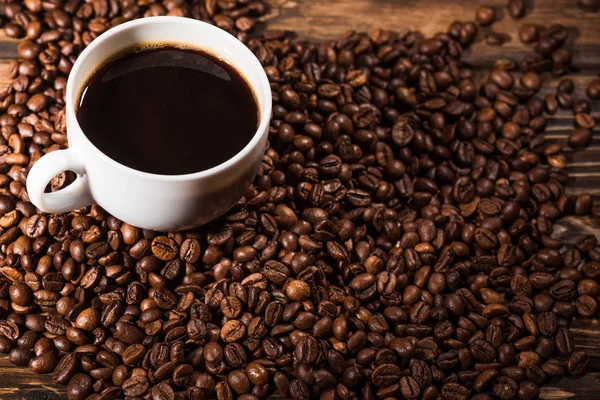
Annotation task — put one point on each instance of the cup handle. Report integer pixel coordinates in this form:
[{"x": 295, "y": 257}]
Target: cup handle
[{"x": 74, "y": 196}]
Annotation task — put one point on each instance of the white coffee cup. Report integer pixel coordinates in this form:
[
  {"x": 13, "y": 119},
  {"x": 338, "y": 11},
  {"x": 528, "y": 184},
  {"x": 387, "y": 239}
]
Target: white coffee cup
[{"x": 159, "y": 202}]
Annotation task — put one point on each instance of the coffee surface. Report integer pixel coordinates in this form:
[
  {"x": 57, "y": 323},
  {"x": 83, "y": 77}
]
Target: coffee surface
[{"x": 168, "y": 110}]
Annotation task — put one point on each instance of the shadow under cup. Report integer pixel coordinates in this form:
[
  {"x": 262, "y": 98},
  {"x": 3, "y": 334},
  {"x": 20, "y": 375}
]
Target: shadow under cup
[{"x": 167, "y": 202}]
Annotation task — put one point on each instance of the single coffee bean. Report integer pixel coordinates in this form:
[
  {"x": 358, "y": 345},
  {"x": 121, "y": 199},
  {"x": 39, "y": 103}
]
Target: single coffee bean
[
  {"x": 163, "y": 391},
  {"x": 135, "y": 386},
  {"x": 580, "y": 137},
  {"x": 20, "y": 357},
  {"x": 66, "y": 368},
  {"x": 297, "y": 290},
  {"x": 496, "y": 39},
  {"x": 385, "y": 375},
  {"x": 505, "y": 388},
  {"x": 577, "y": 363},
  {"x": 164, "y": 248},
  {"x": 529, "y": 33},
  {"x": 589, "y": 5},
  {"x": 44, "y": 363},
  {"x": 232, "y": 331},
  {"x": 80, "y": 386},
  {"x": 516, "y": 8},
  {"x": 593, "y": 89},
  {"x": 485, "y": 16}
]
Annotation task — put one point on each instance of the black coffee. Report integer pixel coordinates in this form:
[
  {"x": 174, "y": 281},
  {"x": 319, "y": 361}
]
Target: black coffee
[{"x": 168, "y": 110}]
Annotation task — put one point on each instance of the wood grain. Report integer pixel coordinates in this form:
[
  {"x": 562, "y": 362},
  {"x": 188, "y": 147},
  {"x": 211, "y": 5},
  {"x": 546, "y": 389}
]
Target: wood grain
[
  {"x": 327, "y": 19},
  {"x": 318, "y": 20}
]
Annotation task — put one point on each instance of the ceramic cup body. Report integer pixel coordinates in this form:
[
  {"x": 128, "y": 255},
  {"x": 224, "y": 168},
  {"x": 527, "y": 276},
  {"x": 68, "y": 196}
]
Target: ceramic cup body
[{"x": 159, "y": 202}]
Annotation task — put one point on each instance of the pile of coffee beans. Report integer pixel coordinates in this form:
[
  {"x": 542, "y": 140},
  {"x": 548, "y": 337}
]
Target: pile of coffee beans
[{"x": 396, "y": 242}]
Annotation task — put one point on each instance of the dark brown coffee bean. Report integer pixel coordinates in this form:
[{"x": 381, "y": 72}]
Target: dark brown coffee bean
[
  {"x": 593, "y": 89},
  {"x": 9, "y": 330},
  {"x": 20, "y": 357},
  {"x": 44, "y": 363},
  {"x": 577, "y": 363},
  {"x": 133, "y": 354},
  {"x": 528, "y": 391},
  {"x": 298, "y": 390},
  {"x": 516, "y": 8},
  {"x": 505, "y": 388},
  {"x": 580, "y": 137},
  {"x": 88, "y": 319},
  {"x": 21, "y": 294},
  {"x": 162, "y": 391},
  {"x": 257, "y": 373},
  {"x": 485, "y": 16},
  {"x": 529, "y": 33},
  {"x": 496, "y": 39},
  {"x": 385, "y": 375},
  {"x": 80, "y": 386},
  {"x": 589, "y": 5},
  {"x": 135, "y": 386},
  {"x": 276, "y": 272},
  {"x": 483, "y": 351},
  {"x": 66, "y": 368},
  {"x": 455, "y": 391}
]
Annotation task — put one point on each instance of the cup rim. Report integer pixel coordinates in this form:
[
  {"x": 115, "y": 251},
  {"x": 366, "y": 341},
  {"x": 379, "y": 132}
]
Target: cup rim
[{"x": 264, "y": 109}]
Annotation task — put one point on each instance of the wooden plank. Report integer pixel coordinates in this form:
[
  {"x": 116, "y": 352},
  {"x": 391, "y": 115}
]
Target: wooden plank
[
  {"x": 8, "y": 46},
  {"x": 317, "y": 19},
  {"x": 27, "y": 386},
  {"x": 321, "y": 20},
  {"x": 4, "y": 69},
  {"x": 581, "y": 388}
]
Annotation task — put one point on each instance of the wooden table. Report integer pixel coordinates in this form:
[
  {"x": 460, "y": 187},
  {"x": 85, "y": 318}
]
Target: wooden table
[{"x": 325, "y": 19}]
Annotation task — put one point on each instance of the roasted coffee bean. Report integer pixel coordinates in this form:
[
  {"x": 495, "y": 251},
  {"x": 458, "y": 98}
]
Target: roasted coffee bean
[
  {"x": 483, "y": 351},
  {"x": 577, "y": 363},
  {"x": 257, "y": 373},
  {"x": 485, "y": 16},
  {"x": 580, "y": 137},
  {"x": 232, "y": 331},
  {"x": 20, "y": 357},
  {"x": 589, "y": 5},
  {"x": 164, "y": 248},
  {"x": 298, "y": 390},
  {"x": 505, "y": 388},
  {"x": 516, "y": 8},
  {"x": 190, "y": 250},
  {"x": 297, "y": 290},
  {"x": 529, "y": 33},
  {"x": 496, "y": 39},
  {"x": 44, "y": 363},
  {"x": 135, "y": 386},
  {"x": 593, "y": 89},
  {"x": 162, "y": 391},
  {"x": 79, "y": 387},
  {"x": 66, "y": 368},
  {"x": 386, "y": 375}
]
